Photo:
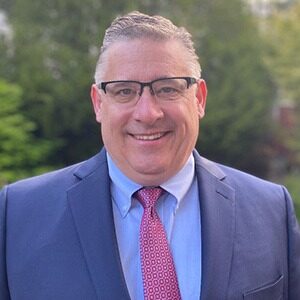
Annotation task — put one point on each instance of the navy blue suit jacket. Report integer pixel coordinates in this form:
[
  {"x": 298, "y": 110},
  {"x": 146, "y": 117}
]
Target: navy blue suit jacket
[{"x": 57, "y": 237}]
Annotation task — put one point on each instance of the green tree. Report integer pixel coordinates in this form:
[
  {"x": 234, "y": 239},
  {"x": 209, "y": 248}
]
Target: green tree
[
  {"x": 237, "y": 127},
  {"x": 55, "y": 48},
  {"x": 20, "y": 153},
  {"x": 282, "y": 31}
]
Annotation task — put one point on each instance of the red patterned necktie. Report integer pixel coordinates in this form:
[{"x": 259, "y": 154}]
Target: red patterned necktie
[{"x": 159, "y": 275}]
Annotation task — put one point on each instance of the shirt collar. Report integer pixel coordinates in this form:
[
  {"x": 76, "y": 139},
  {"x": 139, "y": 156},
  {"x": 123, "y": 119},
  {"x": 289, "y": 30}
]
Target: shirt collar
[
  {"x": 179, "y": 184},
  {"x": 122, "y": 188}
]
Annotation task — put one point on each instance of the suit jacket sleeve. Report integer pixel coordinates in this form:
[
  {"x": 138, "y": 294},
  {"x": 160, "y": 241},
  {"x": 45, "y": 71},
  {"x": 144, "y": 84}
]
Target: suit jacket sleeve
[
  {"x": 293, "y": 250},
  {"x": 4, "y": 292}
]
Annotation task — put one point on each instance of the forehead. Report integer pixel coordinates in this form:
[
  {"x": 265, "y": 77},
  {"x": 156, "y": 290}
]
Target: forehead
[{"x": 145, "y": 60}]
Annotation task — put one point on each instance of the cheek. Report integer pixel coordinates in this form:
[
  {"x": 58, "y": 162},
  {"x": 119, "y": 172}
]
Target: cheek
[
  {"x": 106, "y": 126},
  {"x": 191, "y": 123},
  {"x": 188, "y": 116},
  {"x": 113, "y": 122},
  {"x": 107, "y": 114}
]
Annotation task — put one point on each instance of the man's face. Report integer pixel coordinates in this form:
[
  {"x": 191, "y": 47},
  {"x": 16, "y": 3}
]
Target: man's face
[{"x": 151, "y": 140}]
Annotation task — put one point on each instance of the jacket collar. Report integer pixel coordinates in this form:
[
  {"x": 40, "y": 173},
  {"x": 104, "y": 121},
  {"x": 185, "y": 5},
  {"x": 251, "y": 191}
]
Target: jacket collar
[
  {"x": 91, "y": 195},
  {"x": 91, "y": 208},
  {"x": 217, "y": 223}
]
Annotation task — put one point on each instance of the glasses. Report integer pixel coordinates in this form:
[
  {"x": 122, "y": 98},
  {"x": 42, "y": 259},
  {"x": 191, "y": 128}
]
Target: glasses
[{"x": 129, "y": 91}]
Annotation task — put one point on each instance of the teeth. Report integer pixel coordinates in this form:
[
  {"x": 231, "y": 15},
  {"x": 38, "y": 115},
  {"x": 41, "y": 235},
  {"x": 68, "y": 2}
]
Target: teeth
[{"x": 149, "y": 137}]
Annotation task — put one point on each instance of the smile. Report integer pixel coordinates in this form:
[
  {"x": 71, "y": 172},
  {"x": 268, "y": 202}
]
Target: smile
[{"x": 149, "y": 137}]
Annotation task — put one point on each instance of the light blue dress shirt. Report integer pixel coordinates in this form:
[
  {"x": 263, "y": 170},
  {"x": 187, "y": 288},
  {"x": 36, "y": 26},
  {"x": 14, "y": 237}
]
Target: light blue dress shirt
[{"x": 179, "y": 211}]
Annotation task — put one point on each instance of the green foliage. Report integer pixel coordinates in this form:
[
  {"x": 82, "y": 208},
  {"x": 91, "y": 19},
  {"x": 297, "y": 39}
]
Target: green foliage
[
  {"x": 237, "y": 126},
  {"x": 55, "y": 48},
  {"x": 282, "y": 32},
  {"x": 292, "y": 183},
  {"x": 20, "y": 152}
]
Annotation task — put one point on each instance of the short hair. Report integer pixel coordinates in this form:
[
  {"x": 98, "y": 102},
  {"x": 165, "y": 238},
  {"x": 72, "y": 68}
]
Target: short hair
[{"x": 136, "y": 25}]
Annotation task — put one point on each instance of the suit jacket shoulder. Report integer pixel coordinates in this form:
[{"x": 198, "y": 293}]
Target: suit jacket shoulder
[
  {"x": 57, "y": 238},
  {"x": 250, "y": 234}
]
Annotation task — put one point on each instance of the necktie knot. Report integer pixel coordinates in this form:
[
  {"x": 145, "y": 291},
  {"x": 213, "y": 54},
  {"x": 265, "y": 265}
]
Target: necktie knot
[{"x": 149, "y": 196}]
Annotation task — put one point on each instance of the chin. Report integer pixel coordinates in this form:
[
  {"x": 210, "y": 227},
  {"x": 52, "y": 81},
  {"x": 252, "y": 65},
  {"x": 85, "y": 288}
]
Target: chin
[
  {"x": 154, "y": 178},
  {"x": 149, "y": 170}
]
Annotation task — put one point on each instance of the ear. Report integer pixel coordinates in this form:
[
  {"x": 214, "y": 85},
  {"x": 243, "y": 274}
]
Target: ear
[
  {"x": 96, "y": 100},
  {"x": 201, "y": 96}
]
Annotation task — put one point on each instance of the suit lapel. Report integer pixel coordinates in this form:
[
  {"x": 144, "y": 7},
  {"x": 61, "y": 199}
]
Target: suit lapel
[
  {"x": 91, "y": 208},
  {"x": 217, "y": 223}
]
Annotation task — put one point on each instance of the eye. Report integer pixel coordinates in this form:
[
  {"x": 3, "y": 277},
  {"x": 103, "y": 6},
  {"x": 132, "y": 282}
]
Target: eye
[
  {"x": 125, "y": 92},
  {"x": 167, "y": 90}
]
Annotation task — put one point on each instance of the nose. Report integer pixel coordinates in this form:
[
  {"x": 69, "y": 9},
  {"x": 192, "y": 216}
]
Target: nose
[{"x": 147, "y": 109}]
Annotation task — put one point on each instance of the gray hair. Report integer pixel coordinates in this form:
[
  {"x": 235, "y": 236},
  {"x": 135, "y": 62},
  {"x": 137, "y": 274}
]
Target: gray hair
[{"x": 137, "y": 25}]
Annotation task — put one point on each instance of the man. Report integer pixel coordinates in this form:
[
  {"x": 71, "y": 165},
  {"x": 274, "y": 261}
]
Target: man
[{"x": 147, "y": 217}]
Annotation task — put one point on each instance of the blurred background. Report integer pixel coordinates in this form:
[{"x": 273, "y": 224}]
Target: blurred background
[{"x": 248, "y": 49}]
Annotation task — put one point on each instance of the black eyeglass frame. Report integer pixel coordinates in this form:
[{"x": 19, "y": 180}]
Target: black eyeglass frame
[{"x": 189, "y": 80}]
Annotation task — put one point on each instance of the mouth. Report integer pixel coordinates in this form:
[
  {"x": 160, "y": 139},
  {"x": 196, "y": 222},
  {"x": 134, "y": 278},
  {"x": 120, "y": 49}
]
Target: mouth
[{"x": 149, "y": 137}]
